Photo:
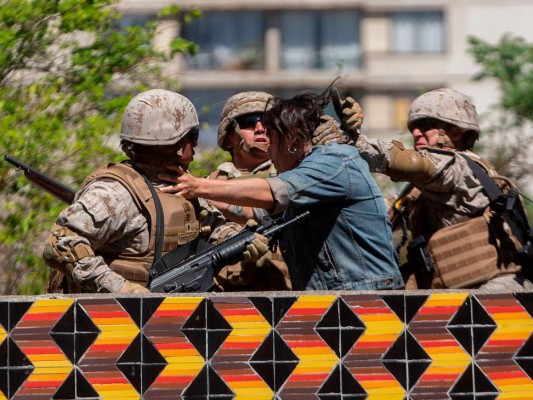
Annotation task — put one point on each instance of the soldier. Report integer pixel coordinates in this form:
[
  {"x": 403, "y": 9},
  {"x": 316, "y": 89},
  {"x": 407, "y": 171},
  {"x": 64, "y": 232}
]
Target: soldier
[
  {"x": 458, "y": 240},
  {"x": 346, "y": 243},
  {"x": 120, "y": 221},
  {"x": 241, "y": 132}
]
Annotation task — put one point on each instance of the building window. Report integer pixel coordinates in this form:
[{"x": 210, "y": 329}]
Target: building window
[
  {"x": 320, "y": 40},
  {"x": 128, "y": 20},
  {"x": 227, "y": 41},
  {"x": 418, "y": 32}
]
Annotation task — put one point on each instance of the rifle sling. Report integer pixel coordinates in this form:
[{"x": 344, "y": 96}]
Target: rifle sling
[
  {"x": 159, "y": 219},
  {"x": 494, "y": 194}
]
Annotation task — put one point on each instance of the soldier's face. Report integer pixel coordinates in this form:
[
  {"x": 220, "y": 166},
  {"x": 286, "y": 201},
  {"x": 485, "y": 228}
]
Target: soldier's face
[
  {"x": 426, "y": 132},
  {"x": 425, "y": 138},
  {"x": 252, "y": 129},
  {"x": 188, "y": 155}
]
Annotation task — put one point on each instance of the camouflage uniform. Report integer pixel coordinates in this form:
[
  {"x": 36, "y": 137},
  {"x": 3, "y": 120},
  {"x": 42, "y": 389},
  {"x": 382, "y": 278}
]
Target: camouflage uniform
[
  {"x": 447, "y": 191},
  {"x": 107, "y": 219},
  {"x": 106, "y": 240},
  {"x": 270, "y": 272}
]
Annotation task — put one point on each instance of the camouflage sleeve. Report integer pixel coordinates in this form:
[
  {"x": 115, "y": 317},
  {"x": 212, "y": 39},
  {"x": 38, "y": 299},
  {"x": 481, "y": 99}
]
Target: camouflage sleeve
[
  {"x": 328, "y": 132},
  {"x": 452, "y": 174},
  {"x": 376, "y": 152},
  {"x": 451, "y": 185},
  {"x": 102, "y": 213}
]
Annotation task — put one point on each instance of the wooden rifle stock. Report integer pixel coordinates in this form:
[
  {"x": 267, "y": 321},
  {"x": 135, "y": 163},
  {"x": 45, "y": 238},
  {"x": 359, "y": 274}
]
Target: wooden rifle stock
[{"x": 48, "y": 184}]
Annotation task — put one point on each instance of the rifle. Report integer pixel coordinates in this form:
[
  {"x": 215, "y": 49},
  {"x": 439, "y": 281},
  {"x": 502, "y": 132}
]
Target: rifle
[
  {"x": 48, "y": 184},
  {"x": 398, "y": 206},
  {"x": 195, "y": 274}
]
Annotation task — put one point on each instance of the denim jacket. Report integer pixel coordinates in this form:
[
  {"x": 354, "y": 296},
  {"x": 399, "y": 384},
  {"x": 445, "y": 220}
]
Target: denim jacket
[{"x": 346, "y": 242}]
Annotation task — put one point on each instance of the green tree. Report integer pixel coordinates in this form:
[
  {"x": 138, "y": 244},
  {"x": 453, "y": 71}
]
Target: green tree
[
  {"x": 66, "y": 73},
  {"x": 510, "y": 63}
]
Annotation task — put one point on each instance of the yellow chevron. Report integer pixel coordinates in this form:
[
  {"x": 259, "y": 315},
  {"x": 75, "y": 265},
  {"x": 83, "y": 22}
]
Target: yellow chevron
[
  {"x": 53, "y": 367},
  {"x": 379, "y": 327},
  {"x": 248, "y": 328},
  {"x": 116, "y": 331},
  {"x": 513, "y": 326},
  {"x": 181, "y": 362},
  {"x": 446, "y": 359},
  {"x": 323, "y": 358},
  {"x": 3, "y": 335}
]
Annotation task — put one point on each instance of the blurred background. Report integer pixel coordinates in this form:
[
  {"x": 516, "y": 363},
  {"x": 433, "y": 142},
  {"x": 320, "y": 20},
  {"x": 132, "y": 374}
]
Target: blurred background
[{"x": 69, "y": 68}]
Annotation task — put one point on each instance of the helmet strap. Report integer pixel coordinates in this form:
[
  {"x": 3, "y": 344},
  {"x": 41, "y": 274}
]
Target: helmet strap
[
  {"x": 257, "y": 151},
  {"x": 443, "y": 141}
]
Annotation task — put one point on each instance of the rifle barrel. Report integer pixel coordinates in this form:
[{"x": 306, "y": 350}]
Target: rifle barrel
[{"x": 47, "y": 183}]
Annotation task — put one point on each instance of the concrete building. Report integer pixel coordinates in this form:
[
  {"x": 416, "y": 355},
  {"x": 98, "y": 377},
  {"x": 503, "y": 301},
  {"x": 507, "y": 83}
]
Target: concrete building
[{"x": 385, "y": 51}]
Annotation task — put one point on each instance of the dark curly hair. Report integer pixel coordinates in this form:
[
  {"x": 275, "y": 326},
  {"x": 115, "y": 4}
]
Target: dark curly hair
[{"x": 295, "y": 118}]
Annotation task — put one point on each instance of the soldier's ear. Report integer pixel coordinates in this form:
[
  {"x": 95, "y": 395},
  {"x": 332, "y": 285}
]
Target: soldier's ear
[
  {"x": 232, "y": 125},
  {"x": 232, "y": 139},
  {"x": 469, "y": 138}
]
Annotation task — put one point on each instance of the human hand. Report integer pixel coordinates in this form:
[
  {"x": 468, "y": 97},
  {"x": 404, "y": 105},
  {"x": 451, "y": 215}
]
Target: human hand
[
  {"x": 258, "y": 247},
  {"x": 352, "y": 116},
  {"x": 133, "y": 288},
  {"x": 182, "y": 183},
  {"x": 327, "y": 132}
]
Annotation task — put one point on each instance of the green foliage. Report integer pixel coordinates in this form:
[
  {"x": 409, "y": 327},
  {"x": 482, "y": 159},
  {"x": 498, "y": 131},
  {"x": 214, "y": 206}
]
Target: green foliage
[
  {"x": 510, "y": 62},
  {"x": 66, "y": 74},
  {"x": 206, "y": 162},
  {"x": 507, "y": 140}
]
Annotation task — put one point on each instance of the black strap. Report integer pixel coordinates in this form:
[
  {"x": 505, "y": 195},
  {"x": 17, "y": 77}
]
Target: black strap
[
  {"x": 492, "y": 190},
  {"x": 508, "y": 205},
  {"x": 159, "y": 221},
  {"x": 159, "y": 216}
]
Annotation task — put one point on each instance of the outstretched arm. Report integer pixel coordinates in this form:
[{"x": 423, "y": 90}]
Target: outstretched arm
[{"x": 252, "y": 192}]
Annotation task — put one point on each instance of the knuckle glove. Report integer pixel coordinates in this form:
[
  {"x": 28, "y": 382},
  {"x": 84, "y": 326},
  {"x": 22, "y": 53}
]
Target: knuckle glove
[
  {"x": 353, "y": 115},
  {"x": 257, "y": 249}
]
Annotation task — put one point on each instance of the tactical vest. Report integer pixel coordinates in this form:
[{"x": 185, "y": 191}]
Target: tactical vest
[
  {"x": 269, "y": 273},
  {"x": 220, "y": 174},
  {"x": 180, "y": 224},
  {"x": 466, "y": 254}
]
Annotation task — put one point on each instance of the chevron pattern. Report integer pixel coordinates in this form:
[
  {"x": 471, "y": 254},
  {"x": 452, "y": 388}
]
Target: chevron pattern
[{"x": 326, "y": 346}]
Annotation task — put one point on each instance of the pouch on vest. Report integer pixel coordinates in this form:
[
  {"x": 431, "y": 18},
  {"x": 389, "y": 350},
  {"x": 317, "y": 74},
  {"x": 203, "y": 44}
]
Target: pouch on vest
[{"x": 465, "y": 254}]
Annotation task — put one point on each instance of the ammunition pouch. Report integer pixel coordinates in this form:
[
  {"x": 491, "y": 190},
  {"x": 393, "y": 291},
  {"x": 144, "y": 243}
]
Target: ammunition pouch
[
  {"x": 461, "y": 263},
  {"x": 464, "y": 263}
]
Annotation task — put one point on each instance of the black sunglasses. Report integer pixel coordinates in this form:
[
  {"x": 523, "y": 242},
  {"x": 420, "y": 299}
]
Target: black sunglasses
[
  {"x": 249, "y": 121},
  {"x": 425, "y": 124}
]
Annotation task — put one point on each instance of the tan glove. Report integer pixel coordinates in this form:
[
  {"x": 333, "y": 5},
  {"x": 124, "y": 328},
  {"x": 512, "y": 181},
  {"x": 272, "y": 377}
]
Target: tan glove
[
  {"x": 133, "y": 288},
  {"x": 353, "y": 116},
  {"x": 259, "y": 246},
  {"x": 328, "y": 132}
]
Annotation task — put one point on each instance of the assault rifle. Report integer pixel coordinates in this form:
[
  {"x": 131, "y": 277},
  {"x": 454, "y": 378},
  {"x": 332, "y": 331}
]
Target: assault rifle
[
  {"x": 48, "y": 184},
  {"x": 195, "y": 274}
]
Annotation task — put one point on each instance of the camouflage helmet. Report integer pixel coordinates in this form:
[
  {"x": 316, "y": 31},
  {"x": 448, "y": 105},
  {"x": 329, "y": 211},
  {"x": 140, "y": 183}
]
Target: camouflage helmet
[
  {"x": 447, "y": 105},
  {"x": 240, "y": 104},
  {"x": 158, "y": 117}
]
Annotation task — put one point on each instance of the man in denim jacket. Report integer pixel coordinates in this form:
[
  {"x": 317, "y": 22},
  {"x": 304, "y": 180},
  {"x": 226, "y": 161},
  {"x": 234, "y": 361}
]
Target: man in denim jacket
[{"x": 346, "y": 243}]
